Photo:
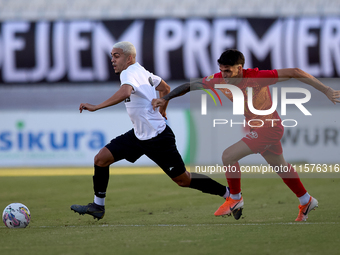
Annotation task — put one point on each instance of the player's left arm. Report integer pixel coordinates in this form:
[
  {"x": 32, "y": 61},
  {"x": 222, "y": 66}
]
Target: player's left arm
[
  {"x": 124, "y": 92},
  {"x": 296, "y": 73},
  {"x": 163, "y": 88}
]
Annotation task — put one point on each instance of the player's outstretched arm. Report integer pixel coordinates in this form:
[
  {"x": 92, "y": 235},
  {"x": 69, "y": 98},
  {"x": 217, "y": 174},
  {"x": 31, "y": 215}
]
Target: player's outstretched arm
[
  {"x": 178, "y": 91},
  {"x": 163, "y": 88},
  {"x": 123, "y": 93},
  {"x": 296, "y": 73}
]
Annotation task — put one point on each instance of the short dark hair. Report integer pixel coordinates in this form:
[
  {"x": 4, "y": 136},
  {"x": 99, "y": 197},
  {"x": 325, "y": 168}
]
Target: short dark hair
[{"x": 231, "y": 57}]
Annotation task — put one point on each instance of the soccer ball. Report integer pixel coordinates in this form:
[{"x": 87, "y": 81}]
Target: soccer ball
[{"x": 16, "y": 215}]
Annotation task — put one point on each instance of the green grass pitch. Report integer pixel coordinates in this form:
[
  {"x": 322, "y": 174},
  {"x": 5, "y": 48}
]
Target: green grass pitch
[{"x": 149, "y": 214}]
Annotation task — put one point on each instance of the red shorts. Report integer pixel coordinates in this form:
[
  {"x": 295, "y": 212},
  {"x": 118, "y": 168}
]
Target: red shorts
[{"x": 265, "y": 139}]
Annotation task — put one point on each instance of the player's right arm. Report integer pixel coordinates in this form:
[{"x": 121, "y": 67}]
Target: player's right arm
[
  {"x": 124, "y": 92},
  {"x": 296, "y": 73},
  {"x": 178, "y": 91}
]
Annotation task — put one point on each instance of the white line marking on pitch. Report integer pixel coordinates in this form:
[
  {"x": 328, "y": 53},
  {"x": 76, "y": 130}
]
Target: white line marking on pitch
[{"x": 188, "y": 225}]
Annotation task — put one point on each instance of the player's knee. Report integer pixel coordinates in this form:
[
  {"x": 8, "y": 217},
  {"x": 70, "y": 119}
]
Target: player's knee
[
  {"x": 227, "y": 157},
  {"x": 104, "y": 158},
  {"x": 101, "y": 161},
  {"x": 97, "y": 160}
]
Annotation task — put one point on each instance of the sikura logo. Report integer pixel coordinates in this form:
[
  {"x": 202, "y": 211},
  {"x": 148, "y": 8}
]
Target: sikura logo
[
  {"x": 238, "y": 104},
  {"x": 49, "y": 140}
]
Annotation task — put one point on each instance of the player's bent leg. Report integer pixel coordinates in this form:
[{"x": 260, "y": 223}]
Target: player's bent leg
[
  {"x": 168, "y": 158},
  {"x": 235, "y": 152},
  {"x": 202, "y": 183},
  {"x": 234, "y": 203},
  {"x": 291, "y": 178},
  {"x": 230, "y": 159},
  {"x": 102, "y": 161}
]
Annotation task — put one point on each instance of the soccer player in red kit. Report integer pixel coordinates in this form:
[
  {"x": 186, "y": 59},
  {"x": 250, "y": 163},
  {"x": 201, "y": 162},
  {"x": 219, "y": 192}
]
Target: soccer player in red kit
[{"x": 264, "y": 136}]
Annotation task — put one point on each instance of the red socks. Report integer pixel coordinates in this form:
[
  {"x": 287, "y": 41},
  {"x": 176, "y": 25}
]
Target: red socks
[
  {"x": 233, "y": 175},
  {"x": 291, "y": 179}
]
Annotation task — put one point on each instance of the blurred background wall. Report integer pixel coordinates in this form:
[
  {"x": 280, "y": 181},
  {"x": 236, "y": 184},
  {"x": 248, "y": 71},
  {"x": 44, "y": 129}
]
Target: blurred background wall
[{"x": 55, "y": 55}]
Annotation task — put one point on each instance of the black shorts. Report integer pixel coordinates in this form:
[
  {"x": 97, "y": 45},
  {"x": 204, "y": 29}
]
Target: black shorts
[{"x": 160, "y": 149}]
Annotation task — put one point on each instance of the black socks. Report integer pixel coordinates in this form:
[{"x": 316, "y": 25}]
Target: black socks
[
  {"x": 206, "y": 184},
  {"x": 100, "y": 180},
  {"x": 198, "y": 181}
]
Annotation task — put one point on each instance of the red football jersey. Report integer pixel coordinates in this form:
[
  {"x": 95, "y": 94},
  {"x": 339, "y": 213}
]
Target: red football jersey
[{"x": 259, "y": 81}]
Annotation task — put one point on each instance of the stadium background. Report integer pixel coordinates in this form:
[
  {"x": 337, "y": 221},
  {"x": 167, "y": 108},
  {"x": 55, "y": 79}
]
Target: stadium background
[{"x": 56, "y": 54}]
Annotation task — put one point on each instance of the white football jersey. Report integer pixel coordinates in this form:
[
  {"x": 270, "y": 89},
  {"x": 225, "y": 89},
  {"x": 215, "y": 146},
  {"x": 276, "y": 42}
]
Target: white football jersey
[{"x": 147, "y": 123}]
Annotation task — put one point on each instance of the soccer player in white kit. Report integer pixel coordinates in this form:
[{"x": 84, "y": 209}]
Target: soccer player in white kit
[{"x": 150, "y": 135}]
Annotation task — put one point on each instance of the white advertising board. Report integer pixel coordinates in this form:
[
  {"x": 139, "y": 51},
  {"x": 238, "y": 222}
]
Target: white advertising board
[{"x": 65, "y": 138}]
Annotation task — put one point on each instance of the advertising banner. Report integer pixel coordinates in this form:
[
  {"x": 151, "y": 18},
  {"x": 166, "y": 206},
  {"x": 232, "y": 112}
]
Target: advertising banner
[
  {"x": 65, "y": 138},
  {"x": 175, "y": 49}
]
